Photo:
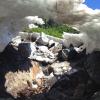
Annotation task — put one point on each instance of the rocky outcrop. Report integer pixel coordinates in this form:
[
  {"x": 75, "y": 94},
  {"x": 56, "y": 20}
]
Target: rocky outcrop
[{"x": 72, "y": 76}]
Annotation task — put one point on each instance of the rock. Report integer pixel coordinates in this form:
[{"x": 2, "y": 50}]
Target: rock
[
  {"x": 16, "y": 41},
  {"x": 71, "y": 53},
  {"x": 61, "y": 68},
  {"x": 96, "y": 96},
  {"x": 35, "y": 20},
  {"x": 23, "y": 81},
  {"x": 79, "y": 91},
  {"x": 17, "y": 81},
  {"x": 54, "y": 38},
  {"x": 70, "y": 87},
  {"x": 30, "y": 37},
  {"x": 10, "y": 53},
  {"x": 26, "y": 49},
  {"x": 42, "y": 39},
  {"x": 33, "y": 36},
  {"x": 51, "y": 43},
  {"x": 92, "y": 65},
  {"x": 55, "y": 47},
  {"x": 50, "y": 81},
  {"x": 68, "y": 39},
  {"x": 30, "y": 26},
  {"x": 36, "y": 74},
  {"x": 42, "y": 54}
]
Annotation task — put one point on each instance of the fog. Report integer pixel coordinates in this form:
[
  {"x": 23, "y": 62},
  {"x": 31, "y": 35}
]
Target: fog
[{"x": 72, "y": 12}]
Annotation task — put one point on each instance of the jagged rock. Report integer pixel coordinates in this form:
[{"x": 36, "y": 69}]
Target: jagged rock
[
  {"x": 61, "y": 81},
  {"x": 42, "y": 54},
  {"x": 23, "y": 80},
  {"x": 26, "y": 49},
  {"x": 36, "y": 74},
  {"x": 17, "y": 81},
  {"x": 71, "y": 53},
  {"x": 71, "y": 87},
  {"x": 55, "y": 47}
]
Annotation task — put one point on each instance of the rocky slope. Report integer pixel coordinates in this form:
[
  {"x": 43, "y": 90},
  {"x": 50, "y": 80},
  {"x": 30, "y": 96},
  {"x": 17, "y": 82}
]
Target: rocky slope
[{"x": 71, "y": 76}]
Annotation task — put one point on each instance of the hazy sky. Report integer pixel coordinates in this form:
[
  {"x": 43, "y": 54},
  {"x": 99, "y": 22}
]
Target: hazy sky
[{"x": 94, "y": 4}]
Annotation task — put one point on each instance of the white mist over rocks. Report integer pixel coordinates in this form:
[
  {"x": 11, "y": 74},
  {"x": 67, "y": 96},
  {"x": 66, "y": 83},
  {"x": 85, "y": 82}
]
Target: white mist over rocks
[{"x": 13, "y": 15}]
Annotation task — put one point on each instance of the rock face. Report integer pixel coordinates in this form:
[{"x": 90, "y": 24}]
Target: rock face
[
  {"x": 42, "y": 49},
  {"x": 96, "y": 96},
  {"x": 25, "y": 78},
  {"x": 93, "y": 66}
]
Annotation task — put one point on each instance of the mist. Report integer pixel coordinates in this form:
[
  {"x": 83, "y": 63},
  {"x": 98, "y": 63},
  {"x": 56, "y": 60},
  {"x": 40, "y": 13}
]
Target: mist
[{"x": 72, "y": 12}]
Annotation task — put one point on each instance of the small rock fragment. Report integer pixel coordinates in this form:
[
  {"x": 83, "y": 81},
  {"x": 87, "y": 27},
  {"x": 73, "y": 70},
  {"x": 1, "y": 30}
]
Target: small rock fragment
[{"x": 42, "y": 39}]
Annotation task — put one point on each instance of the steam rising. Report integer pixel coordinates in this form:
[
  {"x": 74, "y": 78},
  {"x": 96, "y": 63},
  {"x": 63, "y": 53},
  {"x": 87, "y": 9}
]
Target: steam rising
[{"x": 72, "y": 12}]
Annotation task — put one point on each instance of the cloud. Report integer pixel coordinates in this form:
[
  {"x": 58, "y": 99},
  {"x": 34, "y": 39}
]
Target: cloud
[{"x": 66, "y": 11}]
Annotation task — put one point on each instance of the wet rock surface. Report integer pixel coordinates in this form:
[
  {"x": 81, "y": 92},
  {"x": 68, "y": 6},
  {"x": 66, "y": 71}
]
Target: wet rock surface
[{"x": 71, "y": 77}]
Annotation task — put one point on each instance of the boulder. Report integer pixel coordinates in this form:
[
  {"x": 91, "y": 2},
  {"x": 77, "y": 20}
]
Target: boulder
[
  {"x": 42, "y": 39},
  {"x": 26, "y": 49}
]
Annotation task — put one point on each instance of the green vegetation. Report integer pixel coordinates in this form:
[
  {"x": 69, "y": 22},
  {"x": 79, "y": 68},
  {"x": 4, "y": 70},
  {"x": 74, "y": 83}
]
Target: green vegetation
[{"x": 53, "y": 29}]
